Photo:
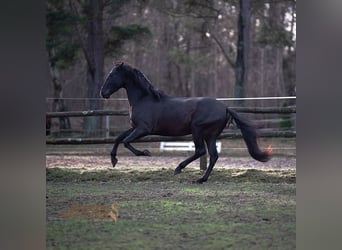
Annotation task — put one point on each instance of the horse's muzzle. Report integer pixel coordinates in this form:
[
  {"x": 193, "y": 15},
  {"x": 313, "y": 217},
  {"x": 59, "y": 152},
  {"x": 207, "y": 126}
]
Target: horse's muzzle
[{"x": 105, "y": 95}]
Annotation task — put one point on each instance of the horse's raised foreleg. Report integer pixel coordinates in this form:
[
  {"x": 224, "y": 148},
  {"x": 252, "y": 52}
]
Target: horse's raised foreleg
[
  {"x": 118, "y": 140},
  {"x": 134, "y": 135},
  {"x": 199, "y": 151},
  {"x": 211, "y": 143}
]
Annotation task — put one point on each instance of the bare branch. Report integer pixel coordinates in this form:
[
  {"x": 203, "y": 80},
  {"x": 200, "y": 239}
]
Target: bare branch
[
  {"x": 228, "y": 58},
  {"x": 80, "y": 38}
]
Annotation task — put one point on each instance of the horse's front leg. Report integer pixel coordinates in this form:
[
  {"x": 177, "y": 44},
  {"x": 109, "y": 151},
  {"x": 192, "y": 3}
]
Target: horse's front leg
[
  {"x": 118, "y": 140},
  {"x": 136, "y": 134}
]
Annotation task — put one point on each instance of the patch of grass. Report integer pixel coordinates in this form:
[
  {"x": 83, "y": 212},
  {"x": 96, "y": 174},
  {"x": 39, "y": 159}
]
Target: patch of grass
[
  {"x": 162, "y": 175},
  {"x": 235, "y": 209}
]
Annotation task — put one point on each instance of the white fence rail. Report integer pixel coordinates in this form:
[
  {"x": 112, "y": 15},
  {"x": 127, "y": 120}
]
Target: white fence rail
[{"x": 183, "y": 146}]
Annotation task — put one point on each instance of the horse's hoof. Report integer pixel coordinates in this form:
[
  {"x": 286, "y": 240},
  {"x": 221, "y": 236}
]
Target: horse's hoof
[
  {"x": 199, "y": 181},
  {"x": 114, "y": 161},
  {"x": 177, "y": 171},
  {"x": 147, "y": 153}
]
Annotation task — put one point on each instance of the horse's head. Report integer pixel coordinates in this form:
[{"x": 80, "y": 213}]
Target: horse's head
[{"x": 114, "y": 81}]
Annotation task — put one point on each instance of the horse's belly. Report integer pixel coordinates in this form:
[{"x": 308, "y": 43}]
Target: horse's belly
[
  {"x": 172, "y": 131},
  {"x": 172, "y": 128}
]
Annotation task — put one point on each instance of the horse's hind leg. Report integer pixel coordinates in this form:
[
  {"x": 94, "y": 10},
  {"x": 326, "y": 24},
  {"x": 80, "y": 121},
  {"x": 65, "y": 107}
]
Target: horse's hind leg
[
  {"x": 211, "y": 143},
  {"x": 199, "y": 151}
]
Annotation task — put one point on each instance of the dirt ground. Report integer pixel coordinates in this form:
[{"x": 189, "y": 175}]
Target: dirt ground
[
  {"x": 87, "y": 162},
  {"x": 233, "y": 155}
]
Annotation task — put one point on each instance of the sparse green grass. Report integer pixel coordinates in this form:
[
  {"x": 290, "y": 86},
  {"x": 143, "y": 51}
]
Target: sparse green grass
[{"x": 235, "y": 209}]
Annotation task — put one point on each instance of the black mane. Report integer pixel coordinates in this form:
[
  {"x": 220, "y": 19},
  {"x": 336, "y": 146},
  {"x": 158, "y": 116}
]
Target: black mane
[{"x": 142, "y": 81}]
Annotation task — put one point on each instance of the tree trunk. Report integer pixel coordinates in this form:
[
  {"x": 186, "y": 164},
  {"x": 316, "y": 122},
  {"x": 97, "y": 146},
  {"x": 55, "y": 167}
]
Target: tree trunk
[
  {"x": 95, "y": 65},
  {"x": 242, "y": 51},
  {"x": 276, "y": 22},
  {"x": 58, "y": 103}
]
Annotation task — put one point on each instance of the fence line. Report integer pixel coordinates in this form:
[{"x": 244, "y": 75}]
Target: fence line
[
  {"x": 156, "y": 138},
  {"x": 157, "y": 148},
  {"x": 152, "y": 138},
  {"x": 256, "y": 98},
  {"x": 85, "y": 98},
  {"x": 87, "y": 113},
  {"x": 265, "y": 110},
  {"x": 219, "y": 98}
]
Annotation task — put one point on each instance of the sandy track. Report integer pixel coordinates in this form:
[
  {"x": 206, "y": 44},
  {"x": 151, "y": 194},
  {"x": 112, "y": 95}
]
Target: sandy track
[{"x": 132, "y": 162}]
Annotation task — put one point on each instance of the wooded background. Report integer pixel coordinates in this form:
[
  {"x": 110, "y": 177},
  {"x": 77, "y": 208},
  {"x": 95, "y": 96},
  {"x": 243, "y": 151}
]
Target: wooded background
[{"x": 218, "y": 48}]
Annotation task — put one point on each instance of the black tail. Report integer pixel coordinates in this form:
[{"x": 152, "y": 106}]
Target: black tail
[{"x": 250, "y": 136}]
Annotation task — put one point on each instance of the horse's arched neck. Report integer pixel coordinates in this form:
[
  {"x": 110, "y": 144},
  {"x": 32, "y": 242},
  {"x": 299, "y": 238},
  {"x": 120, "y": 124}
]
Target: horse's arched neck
[{"x": 134, "y": 93}]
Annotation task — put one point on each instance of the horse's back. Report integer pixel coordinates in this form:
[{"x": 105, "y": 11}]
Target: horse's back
[
  {"x": 202, "y": 107},
  {"x": 177, "y": 116},
  {"x": 210, "y": 109}
]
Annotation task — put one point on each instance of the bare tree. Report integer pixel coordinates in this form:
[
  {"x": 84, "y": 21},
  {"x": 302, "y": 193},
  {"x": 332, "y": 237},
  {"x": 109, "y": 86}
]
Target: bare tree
[
  {"x": 94, "y": 54},
  {"x": 79, "y": 26},
  {"x": 241, "y": 68}
]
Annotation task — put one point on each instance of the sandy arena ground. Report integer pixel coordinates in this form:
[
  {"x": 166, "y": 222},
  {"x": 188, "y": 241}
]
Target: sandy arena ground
[{"x": 157, "y": 162}]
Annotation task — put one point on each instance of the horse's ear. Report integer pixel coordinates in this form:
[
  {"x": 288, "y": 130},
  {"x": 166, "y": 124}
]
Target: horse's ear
[{"x": 119, "y": 65}]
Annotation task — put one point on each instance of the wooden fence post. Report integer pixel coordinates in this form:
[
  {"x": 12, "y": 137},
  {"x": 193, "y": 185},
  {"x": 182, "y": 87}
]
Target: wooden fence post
[
  {"x": 203, "y": 162},
  {"x": 107, "y": 126}
]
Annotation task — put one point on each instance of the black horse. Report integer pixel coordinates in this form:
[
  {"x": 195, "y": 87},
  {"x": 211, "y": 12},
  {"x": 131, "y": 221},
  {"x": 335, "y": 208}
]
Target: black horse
[{"x": 153, "y": 112}]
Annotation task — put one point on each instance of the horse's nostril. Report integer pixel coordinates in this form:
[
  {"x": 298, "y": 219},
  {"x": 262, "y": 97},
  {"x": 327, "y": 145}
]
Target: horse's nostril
[{"x": 103, "y": 94}]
